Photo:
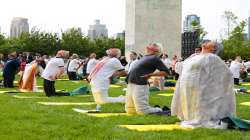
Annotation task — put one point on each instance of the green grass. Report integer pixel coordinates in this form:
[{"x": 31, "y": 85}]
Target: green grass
[{"x": 25, "y": 119}]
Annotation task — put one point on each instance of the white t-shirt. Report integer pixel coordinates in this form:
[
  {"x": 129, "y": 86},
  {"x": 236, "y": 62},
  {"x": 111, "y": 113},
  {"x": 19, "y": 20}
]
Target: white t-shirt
[
  {"x": 247, "y": 64},
  {"x": 235, "y": 68},
  {"x": 73, "y": 65},
  {"x": 46, "y": 61},
  {"x": 91, "y": 64},
  {"x": 167, "y": 62},
  {"x": 101, "y": 80},
  {"x": 53, "y": 68},
  {"x": 132, "y": 64}
]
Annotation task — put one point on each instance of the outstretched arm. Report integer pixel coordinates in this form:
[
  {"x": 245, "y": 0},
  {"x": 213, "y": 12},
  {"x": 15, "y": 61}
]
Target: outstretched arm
[
  {"x": 160, "y": 73},
  {"x": 120, "y": 73}
]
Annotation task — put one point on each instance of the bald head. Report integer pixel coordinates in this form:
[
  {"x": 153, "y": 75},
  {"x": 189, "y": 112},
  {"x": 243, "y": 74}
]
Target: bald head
[
  {"x": 114, "y": 52},
  {"x": 92, "y": 55},
  {"x": 63, "y": 54},
  {"x": 209, "y": 47},
  {"x": 154, "y": 49}
]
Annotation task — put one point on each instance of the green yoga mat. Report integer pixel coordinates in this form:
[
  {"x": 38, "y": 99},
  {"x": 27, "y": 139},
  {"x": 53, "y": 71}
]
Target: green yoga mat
[
  {"x": 153, "y": 89},
  {"x": 237, "y": 123},
  {"x": 80, "y": 90}
]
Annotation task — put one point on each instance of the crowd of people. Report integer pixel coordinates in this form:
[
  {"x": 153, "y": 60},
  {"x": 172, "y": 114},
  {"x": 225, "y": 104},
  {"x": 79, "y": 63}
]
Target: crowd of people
[{"x": 204, "y": 89}]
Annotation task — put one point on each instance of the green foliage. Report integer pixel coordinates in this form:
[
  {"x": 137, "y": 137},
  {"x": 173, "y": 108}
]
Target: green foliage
[
  {"x": 201, "y": 31},
  {"x": 4, "y": 46},
  {"x": 236, "y": 43},
  {"x": 48, "y": 43}
]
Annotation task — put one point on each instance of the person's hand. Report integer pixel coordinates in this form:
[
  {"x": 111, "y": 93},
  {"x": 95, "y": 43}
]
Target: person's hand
[
  {"x": 146, "y": 76},
  {"x": 53, "y": 78}
]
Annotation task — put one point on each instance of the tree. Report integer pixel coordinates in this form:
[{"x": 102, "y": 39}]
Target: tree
[
  {"x": 4, "y": 47},
  {"x": 201, "y": 31},
  {"x": 36, "y": 42},
  {"x": 230, "y": 20},
  {"x": 236, "y": 43},
  {"x": 48, "y": 43}
]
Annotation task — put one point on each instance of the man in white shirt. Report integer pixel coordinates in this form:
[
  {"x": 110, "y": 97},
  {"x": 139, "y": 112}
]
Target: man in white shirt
[
  {"x": 100, "y": 76},
  {"x": 133, "y": 60},
  {"x": 236, "y": 68},
  {"x": 73, "y": 66},
  {"x": 54, "y": 69},
  {"x": 167, "y": 62},
  {"x": 247, "y": 65},
  {"x": 91, "y": 63}
]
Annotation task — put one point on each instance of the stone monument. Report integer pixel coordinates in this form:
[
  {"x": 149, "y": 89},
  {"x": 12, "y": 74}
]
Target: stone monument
[{"x": 153, "y": 21}]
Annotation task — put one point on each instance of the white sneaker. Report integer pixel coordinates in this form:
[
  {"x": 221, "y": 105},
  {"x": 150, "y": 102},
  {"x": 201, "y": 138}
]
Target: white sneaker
[
  {"x": 122, "y": 98},
  {"x": 98, "y": 107}
]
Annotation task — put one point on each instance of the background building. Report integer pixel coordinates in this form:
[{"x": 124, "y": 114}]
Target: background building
[
  {"x": 97, "y": 30},
  {"x": 190, "y": 40},
  {"x": 18, "y": 26},
  {"x": 188, "y": 23},
  {"x": 120, "y": 35}
]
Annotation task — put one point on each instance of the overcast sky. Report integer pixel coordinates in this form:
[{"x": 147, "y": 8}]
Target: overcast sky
[{"x": 54, "y": 15}]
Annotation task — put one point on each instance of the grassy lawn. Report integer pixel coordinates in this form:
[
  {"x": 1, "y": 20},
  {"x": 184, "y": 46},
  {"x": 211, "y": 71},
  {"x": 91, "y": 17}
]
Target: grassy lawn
[{"x": 26, "y": 119}]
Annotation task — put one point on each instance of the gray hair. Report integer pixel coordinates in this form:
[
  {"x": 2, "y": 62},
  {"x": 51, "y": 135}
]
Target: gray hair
[{"x": 74, "y": 56}]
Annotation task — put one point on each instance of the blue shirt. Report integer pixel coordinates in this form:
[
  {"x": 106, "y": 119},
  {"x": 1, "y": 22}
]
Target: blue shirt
[{"x": 11, "y": 67}]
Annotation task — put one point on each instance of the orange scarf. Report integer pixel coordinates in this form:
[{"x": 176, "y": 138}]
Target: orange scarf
[
  {"x": 97, "y": 68},
  {"x": 29, "y": 84}
]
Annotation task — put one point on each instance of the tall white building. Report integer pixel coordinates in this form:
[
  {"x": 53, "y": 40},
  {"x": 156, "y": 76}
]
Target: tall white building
[
  {"x": 97, "y": 30},
  {"x": 18, "y": 26},
  {"x": 188, "y": 23}
]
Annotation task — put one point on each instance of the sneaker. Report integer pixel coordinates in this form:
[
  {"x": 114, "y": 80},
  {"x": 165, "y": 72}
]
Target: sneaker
[
  {"x": 165, "y": 113},
  {"x": 165, "y": 108},
  {"x": 121, "y": 98},
  {"x": 98, "y": 107},
  {"x": 157, "y": 106}
]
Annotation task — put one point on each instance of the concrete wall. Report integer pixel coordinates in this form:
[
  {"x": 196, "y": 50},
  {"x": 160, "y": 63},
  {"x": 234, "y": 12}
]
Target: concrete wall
[{"x": 153, "y": 21}]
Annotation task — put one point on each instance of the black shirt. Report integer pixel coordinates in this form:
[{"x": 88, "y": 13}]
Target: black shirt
[{"x": 147, "y": 64}]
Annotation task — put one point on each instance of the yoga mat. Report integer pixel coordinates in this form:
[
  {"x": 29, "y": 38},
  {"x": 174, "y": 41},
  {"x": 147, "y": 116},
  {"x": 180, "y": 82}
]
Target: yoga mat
[
  {"x": 95, "y": 113},
  {"x": 29, "y": 97},
  {"x": 115, "y": 86},
  {"x": 10, "y": 91},
  {"x": 245, "y": 103},
  {"x": 85, "y": 111},
  {"x": 245, "y": 84},
  {"x": 64, "y": 103},
  {"x": 166, "y": 95},
  {"x": 160, "y": 127},
  {"x": 104, "y": 115}
]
